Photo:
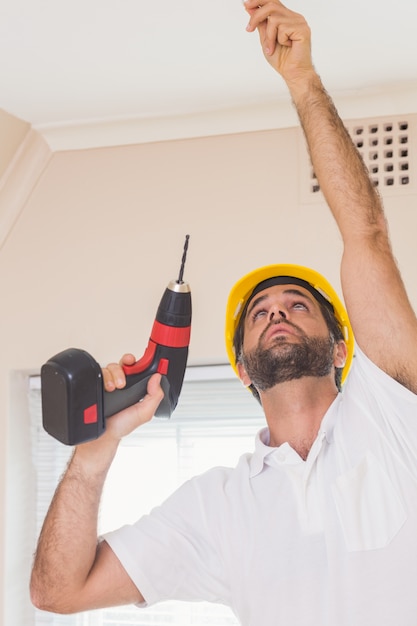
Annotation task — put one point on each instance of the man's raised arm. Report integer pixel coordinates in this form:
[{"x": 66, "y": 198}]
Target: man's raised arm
[
  {"x": 72, "y": 572},
  {"x": 382, "y": 318}
]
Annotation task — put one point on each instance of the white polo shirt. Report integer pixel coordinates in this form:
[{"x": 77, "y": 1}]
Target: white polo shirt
[{"x": 330, "y": 541}]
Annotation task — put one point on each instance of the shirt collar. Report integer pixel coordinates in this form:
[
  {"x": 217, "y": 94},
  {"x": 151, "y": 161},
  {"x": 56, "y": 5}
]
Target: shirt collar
[{"x": 263, "y": 449}]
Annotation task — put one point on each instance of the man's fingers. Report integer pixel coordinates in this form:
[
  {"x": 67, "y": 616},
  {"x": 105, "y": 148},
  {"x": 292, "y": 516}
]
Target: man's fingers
[
  {"x": 130, "y": 418},
  {"x": 268, "y": 19},
  {"x": 144, "y": 410},
  {"x": 280, "y": 23},
  {"x": 154, "y": 392},
  {"x": 113, "y": 377},
  {"x": 258, "y": 15},
  {"x": 269, "y": 36},
  {"x": 113, "y": 374},
  {"x": 258, "y": 4},
  {"x": 127, "y": 359}
]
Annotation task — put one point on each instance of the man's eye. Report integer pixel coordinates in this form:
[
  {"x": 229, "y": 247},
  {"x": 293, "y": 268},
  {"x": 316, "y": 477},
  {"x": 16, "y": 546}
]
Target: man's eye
[
  {"x": 258, "y": 314},
  {"x": 300, "y": 306}
]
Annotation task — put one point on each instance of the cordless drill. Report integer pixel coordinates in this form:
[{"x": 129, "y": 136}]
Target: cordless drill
[{"x": 74, "y": 404}]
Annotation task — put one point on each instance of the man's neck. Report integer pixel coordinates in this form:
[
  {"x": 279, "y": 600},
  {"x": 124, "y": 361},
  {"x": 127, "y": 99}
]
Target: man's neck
[{"x": 294, "y": 411}]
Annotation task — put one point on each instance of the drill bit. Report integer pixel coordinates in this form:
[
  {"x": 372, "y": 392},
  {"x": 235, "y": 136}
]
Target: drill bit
[{"x": 184, "y": 256}]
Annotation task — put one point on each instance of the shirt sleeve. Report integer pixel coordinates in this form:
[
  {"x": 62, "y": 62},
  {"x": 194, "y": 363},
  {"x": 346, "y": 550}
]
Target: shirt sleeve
[
  {"x": 173, "y": 553},
  {"x": 390, "y": 407}
]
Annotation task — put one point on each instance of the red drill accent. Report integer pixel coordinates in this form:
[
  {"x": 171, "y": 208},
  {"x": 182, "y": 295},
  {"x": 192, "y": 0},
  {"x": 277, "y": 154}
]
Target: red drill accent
[
  {"x": 144, "y": 362},
  {"x": 163, "y": 367},
  {"x": 171, "y": 336},
  {"x": 90, "y": 414}
]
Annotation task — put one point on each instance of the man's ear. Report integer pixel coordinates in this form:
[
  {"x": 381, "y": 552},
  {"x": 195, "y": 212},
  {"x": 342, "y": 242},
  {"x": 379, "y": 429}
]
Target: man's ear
[
  {"x": 340, "y": 354},
  {"x": 243, "y": 374}
]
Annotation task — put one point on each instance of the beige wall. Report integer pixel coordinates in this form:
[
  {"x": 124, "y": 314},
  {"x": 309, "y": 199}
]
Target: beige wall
[
  {"x": 102, "y": 232},
  {"x": 12, "y": 133}
]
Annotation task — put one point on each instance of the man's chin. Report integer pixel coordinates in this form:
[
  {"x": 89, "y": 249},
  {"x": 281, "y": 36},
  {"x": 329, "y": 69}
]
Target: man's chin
[{"x": 279, "y": 344}]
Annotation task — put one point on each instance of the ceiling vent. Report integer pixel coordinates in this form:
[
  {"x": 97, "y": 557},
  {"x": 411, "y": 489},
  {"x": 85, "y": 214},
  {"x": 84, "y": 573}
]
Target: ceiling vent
[{"x": 387, "y": 146}]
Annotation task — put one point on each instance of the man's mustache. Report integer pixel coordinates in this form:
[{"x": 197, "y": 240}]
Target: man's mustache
[{"x": 281, "y": 320}]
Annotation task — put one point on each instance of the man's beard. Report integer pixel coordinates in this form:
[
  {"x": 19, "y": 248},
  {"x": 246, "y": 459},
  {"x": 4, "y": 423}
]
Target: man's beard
[{"x": 282, "y": 362}]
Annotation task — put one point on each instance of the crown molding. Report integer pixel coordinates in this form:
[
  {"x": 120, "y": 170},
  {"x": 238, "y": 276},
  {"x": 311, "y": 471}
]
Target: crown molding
[
  {"x": 367, "y": 102},
  {"x": 130, "y": 131}
]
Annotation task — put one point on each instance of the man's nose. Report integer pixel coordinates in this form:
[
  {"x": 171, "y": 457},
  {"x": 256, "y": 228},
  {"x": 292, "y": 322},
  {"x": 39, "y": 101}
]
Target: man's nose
[{"x": 279, "y": 313}]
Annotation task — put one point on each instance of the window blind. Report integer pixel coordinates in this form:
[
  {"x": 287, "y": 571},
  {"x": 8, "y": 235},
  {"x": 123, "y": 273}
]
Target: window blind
[{"x": 214, "y": 423}]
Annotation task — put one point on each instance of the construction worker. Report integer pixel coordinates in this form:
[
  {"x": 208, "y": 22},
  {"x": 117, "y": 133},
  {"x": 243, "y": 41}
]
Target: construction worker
[{"x": 318, "y": 525}]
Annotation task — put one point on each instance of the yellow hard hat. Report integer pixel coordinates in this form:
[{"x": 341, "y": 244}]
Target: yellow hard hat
[{"x": 243, "y": 289}]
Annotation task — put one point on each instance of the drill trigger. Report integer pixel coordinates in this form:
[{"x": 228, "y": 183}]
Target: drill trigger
[{"x": 163, "y": 367}]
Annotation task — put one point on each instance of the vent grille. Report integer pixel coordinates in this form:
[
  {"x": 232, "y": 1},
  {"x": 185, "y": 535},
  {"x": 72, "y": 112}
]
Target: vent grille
[{"x": 387, "y": 148}]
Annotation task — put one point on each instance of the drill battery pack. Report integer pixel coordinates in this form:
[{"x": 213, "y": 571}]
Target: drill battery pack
[{"x": 72, "y": 407}]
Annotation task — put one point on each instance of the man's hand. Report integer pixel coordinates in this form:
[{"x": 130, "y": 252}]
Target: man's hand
[
  {"x": 129, "y": 419},
  {"x": 284, "y": 36}
]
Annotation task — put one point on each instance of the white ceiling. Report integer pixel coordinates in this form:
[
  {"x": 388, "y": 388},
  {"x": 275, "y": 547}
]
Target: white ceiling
[{"x": 85, "y": 62}]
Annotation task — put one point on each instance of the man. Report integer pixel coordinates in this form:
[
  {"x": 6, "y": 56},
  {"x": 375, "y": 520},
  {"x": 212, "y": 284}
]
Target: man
[{"x": 318, "y": 526}]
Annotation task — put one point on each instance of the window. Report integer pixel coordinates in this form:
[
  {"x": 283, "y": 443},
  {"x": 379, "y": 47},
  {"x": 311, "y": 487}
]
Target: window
[{"x": 214, "y": 424}]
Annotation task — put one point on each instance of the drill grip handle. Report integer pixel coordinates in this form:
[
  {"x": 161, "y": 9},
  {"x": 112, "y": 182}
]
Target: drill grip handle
[
  {"x": 166, "y": 360},
  {"x": 134, "y": 392}
]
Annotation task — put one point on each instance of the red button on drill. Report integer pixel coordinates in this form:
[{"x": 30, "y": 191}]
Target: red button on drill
[{"x": 163, "y": 366}]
